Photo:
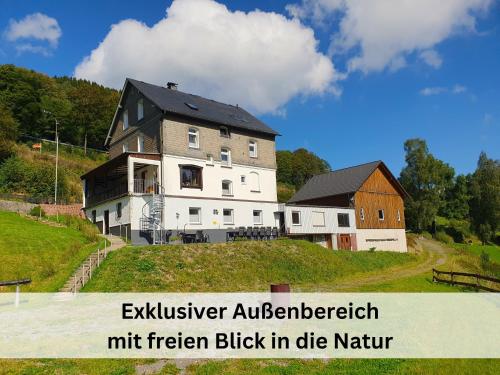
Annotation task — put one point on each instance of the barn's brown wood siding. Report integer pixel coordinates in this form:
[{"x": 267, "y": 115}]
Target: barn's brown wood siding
[{"x": 378, "y": 193}]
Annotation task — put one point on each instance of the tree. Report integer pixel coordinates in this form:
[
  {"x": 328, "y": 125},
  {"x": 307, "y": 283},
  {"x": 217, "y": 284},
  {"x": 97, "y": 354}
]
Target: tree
[
  {"x": 427, "y": 181},
  {"x": 485, "y": 195},
  {"x": 8, "y": 132},
  {"x": 457, "y": 199},
  {"x": 297, "y": 167}
]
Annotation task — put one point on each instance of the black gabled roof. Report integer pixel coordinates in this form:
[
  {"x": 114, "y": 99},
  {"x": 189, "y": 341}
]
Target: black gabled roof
[
  {"x": 195, "y": 106},
  {"x": 341, "y": 181}
]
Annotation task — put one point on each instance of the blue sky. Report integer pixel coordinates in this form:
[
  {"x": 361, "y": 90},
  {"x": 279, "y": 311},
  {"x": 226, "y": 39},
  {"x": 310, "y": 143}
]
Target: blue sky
[{"x": 371, "y": 91}]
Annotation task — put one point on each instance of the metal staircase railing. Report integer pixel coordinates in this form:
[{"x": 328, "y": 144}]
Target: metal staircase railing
[{"x": 152, "y": 213}]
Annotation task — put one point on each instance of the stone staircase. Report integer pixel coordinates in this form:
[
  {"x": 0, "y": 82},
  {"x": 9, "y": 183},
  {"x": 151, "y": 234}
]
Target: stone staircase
[{"x": 84, "y": 273}]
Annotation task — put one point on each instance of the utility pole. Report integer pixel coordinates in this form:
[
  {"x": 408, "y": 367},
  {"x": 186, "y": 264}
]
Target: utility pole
[{"x": 57, "y": 160}]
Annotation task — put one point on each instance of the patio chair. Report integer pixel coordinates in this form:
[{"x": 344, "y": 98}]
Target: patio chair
[
  {"x": 274, "y": 233},
  {"x": 268, "y": 233},
  {"x": 262, "y": 233},
  {"x": 249, "y": 233},
  {"x": 241, "y": 232},
  {"x": 199, "y": 237},
  {"x": 255, "y": 233}
]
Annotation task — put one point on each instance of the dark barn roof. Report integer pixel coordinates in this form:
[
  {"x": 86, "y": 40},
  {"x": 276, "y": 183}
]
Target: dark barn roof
[
  {"x": 341, "y": 181},
  {"x": 195, "y": 106}
]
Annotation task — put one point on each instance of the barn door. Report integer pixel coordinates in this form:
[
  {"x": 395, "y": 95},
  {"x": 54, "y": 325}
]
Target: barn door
[{"x": 345, "y": 242}]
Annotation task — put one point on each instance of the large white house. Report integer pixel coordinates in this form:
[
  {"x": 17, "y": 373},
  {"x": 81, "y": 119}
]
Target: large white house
[{"x": 182, "y": 163}]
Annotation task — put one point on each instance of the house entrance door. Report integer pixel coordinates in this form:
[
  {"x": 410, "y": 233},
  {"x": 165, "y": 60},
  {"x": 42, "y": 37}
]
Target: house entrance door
[{"x": 106, "y": 222}]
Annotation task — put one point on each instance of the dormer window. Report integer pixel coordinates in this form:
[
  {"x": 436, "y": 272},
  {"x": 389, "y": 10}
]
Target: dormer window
[
  {"x": 125, "y": 119},
  {"x": 224, "y": 132},
  {"x": 125, "y": 147},
  {"x": 193, "y": 138},
  {"x": 140, "y": 109},
  {"x": 225, "y": 156},
  {"x": 252, "y": 149}
]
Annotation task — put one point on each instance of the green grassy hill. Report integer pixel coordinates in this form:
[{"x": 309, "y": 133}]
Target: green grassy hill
[
  {"x": 240, "y": 266},
  {"x": 45, "y": 253}
]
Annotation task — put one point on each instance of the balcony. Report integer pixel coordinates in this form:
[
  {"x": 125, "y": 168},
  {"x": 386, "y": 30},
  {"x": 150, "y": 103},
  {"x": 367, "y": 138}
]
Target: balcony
[{"x": 127, "y": 174}]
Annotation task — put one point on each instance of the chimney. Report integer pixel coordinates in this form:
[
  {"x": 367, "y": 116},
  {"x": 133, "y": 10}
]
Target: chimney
[{"x": 172, "y": 85}]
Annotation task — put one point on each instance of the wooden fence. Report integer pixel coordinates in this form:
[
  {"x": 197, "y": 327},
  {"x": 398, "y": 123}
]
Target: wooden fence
[{"x": 474, "y": 283}]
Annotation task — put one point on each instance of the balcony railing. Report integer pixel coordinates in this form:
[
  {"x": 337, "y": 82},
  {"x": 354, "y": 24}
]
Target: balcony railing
[{"x": 145, "y": 186}]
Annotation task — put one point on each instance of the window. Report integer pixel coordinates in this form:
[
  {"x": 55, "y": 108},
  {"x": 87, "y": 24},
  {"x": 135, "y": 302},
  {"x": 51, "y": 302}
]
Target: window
[
  {"x": 399, "y": 216},
  {"x": 94, "y": 216},
  {"x": 243, "y": 179},
  {"x": 194, "y": 215},
  {"x": 125, "y": 119},
  {"x": 381, "y": 215},
  {"x": 225, "y": 156},
  {"x": 295, "y": 217},
  {"x": 140, "y": 109},
  {"x": 191, "y": 176},
  {"x": 257, "y": 217},
  {"x": 125, "y": 147},
  {"x": 228, "y": 216},
  {"x": 194, "y": 141},
  {"x": 119, "y": 210},
  {"x": 252, "y": 149},
  {"x": 343, "y": 220},
  {"x": 254, "y": 182},
  {"x": 140, "y": 143},
  {"x": 227, "y": 187},
  {"x": 318, "y": 219},
  {"x": 362, "y": 214},
  {"x": 210, "y": 159},
  {"x": 224, "y": 132}
]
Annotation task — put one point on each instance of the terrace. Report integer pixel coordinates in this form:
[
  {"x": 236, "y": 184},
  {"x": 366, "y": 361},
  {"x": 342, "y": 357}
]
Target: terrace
[{"x": 128, "y": 174}]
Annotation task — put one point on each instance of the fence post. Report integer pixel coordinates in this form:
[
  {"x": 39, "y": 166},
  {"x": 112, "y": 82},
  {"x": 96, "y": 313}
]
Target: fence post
[
  {"x": 17, "y": 295},
  {"x": 98, "y": 253},
  {"x": 83, "y": 275},
  {"x": 74, "y": 283},
  {"x": 90, "y": 267},
  {"x": 452, "y": 282}
]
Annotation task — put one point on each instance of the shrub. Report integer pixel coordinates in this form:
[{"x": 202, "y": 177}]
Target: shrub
[
  {"x": 372, "y": 249},
  {"x": 459, "y": 230},
  {"x": 485, "y": 233},
  {"x": 88, "y": 229},
  {"x": 443, "y": 237},
  {"x": 485, "y": 259},
  {"x": 37, "y": 211}
]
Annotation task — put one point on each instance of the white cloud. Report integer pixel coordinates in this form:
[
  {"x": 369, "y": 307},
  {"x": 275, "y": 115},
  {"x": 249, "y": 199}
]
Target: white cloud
[
  {"x": 377, "y": 34},
  {"x": 34, "y": 26},
  {"x": 28, "y": 47},
  {"x": 431, "y": 58},
  {"x": 428, "y": 91},
  {"x": 456, "y": 89},
  {"x": 258, "y": 59}
]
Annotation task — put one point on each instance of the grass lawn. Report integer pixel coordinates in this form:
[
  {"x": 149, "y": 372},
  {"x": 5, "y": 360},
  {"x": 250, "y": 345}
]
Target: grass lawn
[
  {"x": 347, "y": 366},
  {"x": 46, "y": 254},
  {"x": 492, "y": 250},
  {"x": 240, "y": 266}
]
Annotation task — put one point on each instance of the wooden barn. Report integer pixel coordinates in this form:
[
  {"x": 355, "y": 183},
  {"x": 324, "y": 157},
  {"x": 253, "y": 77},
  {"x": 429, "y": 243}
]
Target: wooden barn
[{"x": 374, "y": 194}]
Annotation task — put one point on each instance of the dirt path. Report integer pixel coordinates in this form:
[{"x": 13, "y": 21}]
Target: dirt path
[{"x": 433, "y": 254}]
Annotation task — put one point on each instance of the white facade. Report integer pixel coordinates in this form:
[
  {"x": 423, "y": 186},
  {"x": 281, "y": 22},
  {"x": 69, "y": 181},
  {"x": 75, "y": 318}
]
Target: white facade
[
  {"x": 317, "y": 220},
  {"x": 382, "y": 239},
  {"x": 249, "y": 183}
]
